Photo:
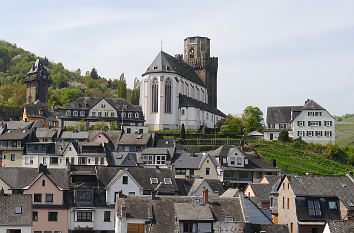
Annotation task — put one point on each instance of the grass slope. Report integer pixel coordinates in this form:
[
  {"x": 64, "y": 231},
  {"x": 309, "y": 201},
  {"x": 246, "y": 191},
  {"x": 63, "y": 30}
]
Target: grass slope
[
  {"x": 345, "y": 131},
  {"x": 299, "y": 161}
]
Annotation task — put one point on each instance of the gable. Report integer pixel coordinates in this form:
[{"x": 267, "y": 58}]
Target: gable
[
  {"x": 103, "y": 106},
  {"x": 118, "y": 177},
  {"x": 37, "y": 184},
  {"x": 100, "y": 137},
  {"x": 68, "y": 152}
]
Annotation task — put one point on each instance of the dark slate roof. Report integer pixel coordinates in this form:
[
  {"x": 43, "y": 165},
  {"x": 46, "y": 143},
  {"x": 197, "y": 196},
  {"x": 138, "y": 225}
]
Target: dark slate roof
[
  {"x": 312, "y": 105},
  {"x": 216, "y": 185},
  {"x": 185, "y": 101},
  {"x": 47, "y": 133},
  {"x": 183, "y": 186},
  {"x": 60, "y": 148},
  {"x": 75, "y": 135},
  {"x": 281, "y": 114},
  {"x": 272, "y": 179},
  {"x": 303, "y": 214},
  {"x": 261, "y": 191},
  {"x": 134, "y": 139},
  {"x": 162, "y": 211},
  {"x": 21, "y": 177},
  {"x": 8, "y": 202},
  {"x": 193, "y": 211},
  {"x": 35, "y": 108},
  {"x": 341, "y": 226},
  {"x": 324, "y": 186},
  {"x": 17, "y": 124},
  {"x": 15, "y": 134},
  {"x": 38, "y": 67},
  {"x": 191, "y": 160},
  {"x": 168, "y": 64},
  {"x": 117, "y": 103},
  {"x": 230, "y": 192},
  {"x": 254, "y": 214},
  {"x": 271, "y": 228},
  {"x": 125, "y": 159}
]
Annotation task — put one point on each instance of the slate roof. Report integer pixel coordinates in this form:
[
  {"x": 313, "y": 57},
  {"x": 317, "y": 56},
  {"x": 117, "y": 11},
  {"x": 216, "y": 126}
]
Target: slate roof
[
  {"x": 47, "y": 133},
  {"x": 162, "y": 210},
  {"x": 165, "y": 63},
  {"x": 341, "y": 226},
  {"x": 214, "y": 184},
  {"x": 191, "y": 160},
  {"x": 84, "y": 135},
  {"x": 271, "y": 228},
  {"x": 21, "y": 177},
  {"x": 15, "y": 134},
  {"x": 125, "y": 159},
  {"x": 185, "y": 101},
  {"x": 8, "y": 202},
  {"x": 324, "y": 186},
  {"x": 33, "y": 110},
  {"x": 134, "y": 139},
  {"x": 281, "y": 114},
  {"x": 272, "y": 179},
  {"x": 253, "y": 213},
  {"x": 17, "y": 124},
  {"x": 312, "y": 105},
  {"x": 230, "y": 192},
  {"x": 38, "y": 67},
  {"x": 302, "y": 209},
  {"x": 60, "y": 148}
]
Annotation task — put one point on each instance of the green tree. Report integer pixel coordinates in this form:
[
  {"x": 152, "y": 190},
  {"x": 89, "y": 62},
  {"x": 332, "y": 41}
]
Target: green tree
[
  {"x": 101, "y": 125},
  {"x": 183, "y": 132},
  {"x": 94, "y": 73},
  {"x": 113, "y": 125},
  {"x": 82, "y": 126},
  {"x": 136, "y": 92},
  {"x": 284, "y": 136},
  {"x": 252, "y": 118},
  {"x": 122, "y": 87},
  {"x": 233, "y": 126}
]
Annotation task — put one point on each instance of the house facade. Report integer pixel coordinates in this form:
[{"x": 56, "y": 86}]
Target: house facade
[{"x": 311, "y": 122}]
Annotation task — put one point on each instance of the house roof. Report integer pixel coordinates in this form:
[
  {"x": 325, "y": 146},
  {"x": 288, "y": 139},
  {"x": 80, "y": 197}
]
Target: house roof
[
  {"x": 325, "y": 186},
  {"x": 15, "y": 134},
  {"x": 272, "y": 179},
  {"x": 303, "y": 214},
  {"x": 255, "y": 133},
  {"x": 273, "y": 228},
  {"x": 341, "y": 226},
  {"x": 8, "y": 202},
  {"x": 125, "y": 159},
  {"x": 253, "y": 213},
  {"x": 163, "y": 210},
  {"x": 165, "y": 63},
  {"x": 47, "y": 133},
  {"x": 37, "y": 67},
  {"x": 60, "y": 147},
  {"x": 75, "y": 135},
  {"x": 230, "y": 192},
  {"x": 37, "y": 109},
  {"x": 261, "y": 191},
  {"x": 312, "y": 105},
  {"x": 185, "y": 101},
  {"x": 17, "y": 124},
  {"x": 192, "y": 160},
  {"x": 214, "y": 184},
  {"x": 21, "y": 177},
  {"x": 281, "y": 114},
  {"x": 134, "y": 139}
]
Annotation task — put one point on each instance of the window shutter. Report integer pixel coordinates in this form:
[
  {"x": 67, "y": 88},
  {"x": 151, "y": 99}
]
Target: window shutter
[
  {"x": 308, "y": 123},
  {"x": 319, "y": 123}
]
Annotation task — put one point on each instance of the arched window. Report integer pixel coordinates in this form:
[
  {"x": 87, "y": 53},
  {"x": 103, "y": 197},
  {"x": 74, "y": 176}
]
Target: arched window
[
  {"x": 168, "y": 95},
  {"x": 155, "y": 95}
]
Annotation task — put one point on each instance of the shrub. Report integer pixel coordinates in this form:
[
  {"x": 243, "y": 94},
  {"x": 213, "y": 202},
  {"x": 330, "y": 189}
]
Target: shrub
[
  {"x": 183, "y": 132},
  {"x": 284, "y": 136}
]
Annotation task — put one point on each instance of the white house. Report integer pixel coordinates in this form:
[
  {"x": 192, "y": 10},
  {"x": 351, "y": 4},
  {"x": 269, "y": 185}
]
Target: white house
[{"x": 311, "y": 122}]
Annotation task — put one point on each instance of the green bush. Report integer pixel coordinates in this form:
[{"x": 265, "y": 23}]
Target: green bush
[{"x": 284, "y": 136}]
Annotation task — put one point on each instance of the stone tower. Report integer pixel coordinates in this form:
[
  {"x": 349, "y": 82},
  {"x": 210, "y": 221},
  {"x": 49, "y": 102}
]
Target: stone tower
[
  {"x": 37, "y": 84},
  {"x": 197, "y": 55}
]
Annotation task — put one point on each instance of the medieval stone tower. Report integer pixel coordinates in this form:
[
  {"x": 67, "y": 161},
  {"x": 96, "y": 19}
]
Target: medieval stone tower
[
  {"x": 197, "y": 55},
  {"x": 37, "y": 84}
]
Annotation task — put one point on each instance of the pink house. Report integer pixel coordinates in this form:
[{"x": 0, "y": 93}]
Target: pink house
[{"x": 50, "y": 213}]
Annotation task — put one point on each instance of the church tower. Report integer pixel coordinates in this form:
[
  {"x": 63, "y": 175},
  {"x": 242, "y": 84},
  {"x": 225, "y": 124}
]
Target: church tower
[
  {"x": 197, "y": 55},
  {"x": 37, "y": 84}
]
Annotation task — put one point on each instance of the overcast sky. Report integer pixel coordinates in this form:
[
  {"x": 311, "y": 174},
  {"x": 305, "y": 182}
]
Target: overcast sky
[{"x": 271, "y": 53}]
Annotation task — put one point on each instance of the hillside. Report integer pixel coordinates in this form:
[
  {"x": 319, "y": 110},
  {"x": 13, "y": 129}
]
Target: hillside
[
  {"x": 65, "y": 87},
  {"x": 345, "y": 130},
  {"x": 303, "y": 158}
]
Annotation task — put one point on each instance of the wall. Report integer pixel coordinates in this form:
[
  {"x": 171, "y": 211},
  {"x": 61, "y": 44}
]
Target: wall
[
  {"x": 107, "y": 109},
  {"x": 207, "y": 164},
  {"x": 24, "y": 229},
  {"x": 249, "y": 192},
  {"x": 7, "y": 189},
  {"x": 18, "y": 158},
  {"x": 228, "y": 227}
]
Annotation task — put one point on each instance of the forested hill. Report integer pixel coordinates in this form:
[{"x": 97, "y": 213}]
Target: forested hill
[{"x": 66, "y": 85}]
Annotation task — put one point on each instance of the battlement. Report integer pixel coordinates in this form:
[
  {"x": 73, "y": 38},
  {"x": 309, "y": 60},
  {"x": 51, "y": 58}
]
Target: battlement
[{"x": 200, "y": 63}]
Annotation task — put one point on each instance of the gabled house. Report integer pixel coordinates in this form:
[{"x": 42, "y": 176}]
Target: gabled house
[
  {"x": 109, "y": 137},
  {"x": 311, "y": 122},
  {"x": 47, "y": 135},
  {"x": 305, "y": 203},
  {"x": 241, "y": 168},
  {"x": 195, "y": 166},
  {"x": 15, "y": 213},
  {"x": 152, "y": 157},
  {"x": 134, "y": 142},
  {"x": 94, "y": 153},
  {"x": 74, "y": 136},
  {"x": 12, "y": 146},
  {"x": 37, "y": 111},
  {"x": 214, "y": 187}
]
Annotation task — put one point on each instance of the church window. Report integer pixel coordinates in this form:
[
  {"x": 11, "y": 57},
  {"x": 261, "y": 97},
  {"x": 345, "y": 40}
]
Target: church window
[
  {"x": 68, "y": 112},
  {"x": 168, "y": 95},
  {"x": 155, "y": 95}
]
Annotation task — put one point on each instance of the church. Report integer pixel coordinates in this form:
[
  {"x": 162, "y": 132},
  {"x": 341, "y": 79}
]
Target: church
[{"x": 181, "y": 89}]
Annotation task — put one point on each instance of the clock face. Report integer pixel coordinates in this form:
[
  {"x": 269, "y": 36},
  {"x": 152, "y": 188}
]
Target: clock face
[{"x": 191, "y": 53}]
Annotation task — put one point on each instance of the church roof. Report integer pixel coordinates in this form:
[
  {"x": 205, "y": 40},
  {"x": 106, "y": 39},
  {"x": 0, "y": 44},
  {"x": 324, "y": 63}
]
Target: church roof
[
  {"x": 169, "y": 64},
  {"x": 37, "y": 67},
  {"x": 185, "y": 101}
]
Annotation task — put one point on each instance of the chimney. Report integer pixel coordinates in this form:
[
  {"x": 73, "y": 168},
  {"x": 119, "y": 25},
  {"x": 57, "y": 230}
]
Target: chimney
[
  {"x": 2, "y": 192},
  {"x": 205, "y": 196},
  {"x": 42, "y": 168},
  {"x": 274, "y": 162},
  {"x": 153, "y": 195},
  {"x": 123, "y": 211},
  {"x": 120, "y": 194}
]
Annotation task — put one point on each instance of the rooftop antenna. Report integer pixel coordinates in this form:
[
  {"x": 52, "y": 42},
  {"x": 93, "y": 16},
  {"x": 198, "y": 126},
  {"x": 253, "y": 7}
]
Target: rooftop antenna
[{"x": 161, "y": 43}]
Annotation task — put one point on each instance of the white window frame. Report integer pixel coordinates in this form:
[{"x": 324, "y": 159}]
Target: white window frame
[
  {"x": 328, "y": 123},
  {"x": 75, "y": 113},
  {"x": 82, "y": 113},
  {"x": 309, "y": 133},
  {"x": 314, "y": 123},
  {"x": 167, "y": 180},
  {"x": 68, "y": 113},
  {"x": 318, "y": 133},
  {"x": 154, "y": 180},
  {"x": 328, "y": 133},
  {"x": 136, "y": 115},
  {"x": 130, "y": 115}
]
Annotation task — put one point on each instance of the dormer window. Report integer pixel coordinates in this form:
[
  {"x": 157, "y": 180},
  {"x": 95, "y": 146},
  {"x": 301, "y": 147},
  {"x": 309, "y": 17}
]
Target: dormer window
[
  {"x": 332, "y": 205},
  {"x": 136, "y": 115},
  {"x": 229, "y": 219},
  {"x": 154, "y": 180},
  {"x": 314, "y": 208},
  {"x": 82, "y": 113},
  {"x": 75, "y": 113},
  {"x": 18, "y": 210},
  {"x": 130, "y": 115},
  {"x": 68, "y": 112},
  {"x": 239, "y": 161},
  {"x": 40, "y": 112},
  {"x": 168, "y": 181},
  {"x": 246, "y": 161}
]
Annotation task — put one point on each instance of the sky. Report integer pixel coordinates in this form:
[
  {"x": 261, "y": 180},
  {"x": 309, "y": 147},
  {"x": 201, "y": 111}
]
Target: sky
[{"x": 271, "y": 52}]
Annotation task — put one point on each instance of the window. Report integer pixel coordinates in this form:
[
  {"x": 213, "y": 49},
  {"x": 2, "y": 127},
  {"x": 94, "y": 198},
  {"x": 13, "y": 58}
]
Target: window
[
  {"x": 93, "y": 114},
  {"x": 318, "y": 133},
  {"x": 112, "y": 114},
  {"x": 102, "y": 161},
  {"x": 68, "y": 112},
  {"x": 314, "y": 208},
  {"x": 318, "y": 113},
  {"x": 31, "y": 160},
  {"x": 192, "y": 40},
  {"x": 129, "y": 130},
  {"x": 106, "y": 114},
  {"x": 26, "y": 160},
  {"x": 155, "y": 95},
  {"x": 180, "y": 171},
  {"x": 207, "y": 171},
  {"x": 37, "y": 232},
  {"x": 107, "y": 216},
  {"x": 52, "y": 216},
  {"x": 123, "y": 115},
  {"x": 283, "y": 202},
  {"x": 229, "y": 219},
  {"x": 168, "y": 96},
  {"x": 37, "y": 197},
  {"x": 309, "y": 133},
  {"x": 332, "y": 205},
  {"x": 13, "y": 157},
  {"x": 35, "y": 216},
  {"x": 291, "y": 228},
  {"x": 103, "y": 105},
  {"x": 239, "y": 161},
  {"x": 310, "y": 114},
  {"x": 328, "y": 133},
  {"x": 232, "y": 160},
  {"x": 84, "y": 217},
  {"x": 224, "y": 160},
  {"x": 136, "y": 115},
  {"x": 54, "y": 160},
  {"x": 182, "y": 112},
  {"x": 314, "y": 123},
  {"x": 300, "y": 123},
  {"x": 154, "y": 180},
  {"x": 300, "y": 133},
  {"x": 18, "y": 210},
  {"x": 130, "y": 115},
  {"x": 160, "y": 159},
  {"x": 82, "y": 160},
  {"x": 99, "y": 114},
  {"x": 282, "y": 126},
  {"x": 288, "y": 203},
  {"x": 125, "y": 179},
  {"x": 167, "y": 180},
  {"x": 49, "y": 197},
  {"x": 148, "y": 159},
  {"x": 83, "y": 195},
  {"x": 314, "y": 230},
  {"x": 328, "y": 123},
  {"x": 75, "y": 113},
  {"x": 72, "y": 160},
  {"x": 271, "y": 202},
  {"x": 43, "y": 183},
  {"x": 82, "y": 113},
  {"x": 131, "y": 193}
]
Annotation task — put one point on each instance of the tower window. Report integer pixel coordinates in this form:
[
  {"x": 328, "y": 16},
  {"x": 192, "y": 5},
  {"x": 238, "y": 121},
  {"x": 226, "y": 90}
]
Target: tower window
[
  {"x": 191, "y": 53},
  {"x": 192, "y": 40},
  {"x": 154, "y": 94},
  {"x": 168, "y": 96}
]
